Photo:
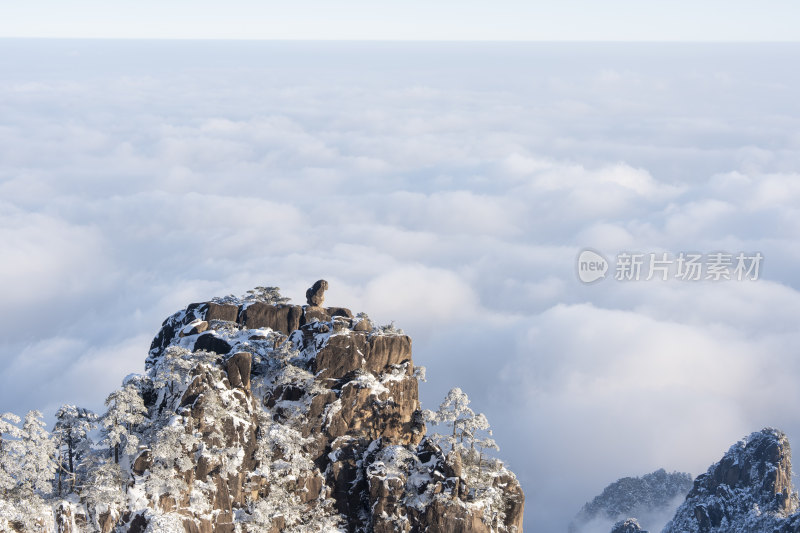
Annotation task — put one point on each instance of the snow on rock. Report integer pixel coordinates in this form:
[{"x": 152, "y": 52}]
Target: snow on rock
[
  {"x": 748, "y": 491},
  {"x": 255, "y": 415},
  {"x": 629, "y": 525}
]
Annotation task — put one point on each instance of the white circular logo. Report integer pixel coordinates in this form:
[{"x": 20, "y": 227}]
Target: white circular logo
[{"x": 591, "y": 266}]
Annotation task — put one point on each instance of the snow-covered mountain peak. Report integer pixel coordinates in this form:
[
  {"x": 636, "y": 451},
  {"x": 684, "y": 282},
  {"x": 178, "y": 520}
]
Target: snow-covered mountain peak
[{"x": 258, "y": 415}]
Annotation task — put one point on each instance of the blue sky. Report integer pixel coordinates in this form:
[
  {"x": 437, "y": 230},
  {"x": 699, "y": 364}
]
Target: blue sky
[
  {"x": 584, "y": 20},
  {"x": 447, "y": 187}
]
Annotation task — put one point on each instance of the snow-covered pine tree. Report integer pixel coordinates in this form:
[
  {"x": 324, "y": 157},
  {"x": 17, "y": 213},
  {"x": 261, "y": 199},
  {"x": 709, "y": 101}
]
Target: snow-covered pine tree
[
  {"x": 484, "y": 444},
  {"x": 104, "y": 488},
  {"x": 71, "y": 433},
  {"x": 38, "y": 465},
  {"x": 126, "y": 411},
  {"x": 172, "y": 452},
  {"x": 467, "y": 429},
  {"x": 214, "y": 410},
  {"x": 454, "y": 412},
  {"x": 171, "y": 370},
  {"x": 9, "y": 447}
]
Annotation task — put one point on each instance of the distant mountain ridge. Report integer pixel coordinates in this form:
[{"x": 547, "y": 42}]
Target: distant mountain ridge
[{"x": 633, "y": 497}]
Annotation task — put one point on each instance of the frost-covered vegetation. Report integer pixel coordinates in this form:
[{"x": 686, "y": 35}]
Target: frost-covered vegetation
[
  {"x": 469, "y": 433},
  {"x": 270, "y": 295}
]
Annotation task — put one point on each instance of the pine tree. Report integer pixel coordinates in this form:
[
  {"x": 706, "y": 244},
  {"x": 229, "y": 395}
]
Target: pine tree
[
  {"x": 71, "y": 432},
  {"x": 455, "y": 412},
  {"x": 270, "y": 295},
  {"x": 171, "y": 369},
  {"x": 172, "y": 451},
  {"x": 466, "y": 427},
  {"x": 104, "y": 488},
  {"x": 9, "y": 451},
  {"x": 126, "y": 411},
  {"x": 38, "y": 465}
]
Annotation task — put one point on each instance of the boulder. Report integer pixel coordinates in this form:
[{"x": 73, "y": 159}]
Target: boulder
[
  {"x": 341, "y": 355},
  {"x": 339, "y": 311},
  {"x": 142, "y": 463},
  {"x": 453, "y": 464},
  {"x": 629, "y": 525},
  {"x": 226, "y": 312},
  {"x": 445, "y": 515},
  {"x": 282, "y": 318},
  {"x": 315, "y": 313},
  {"x": 194, "y": 328},
  {"x": 138, "y": 524},
  {"x": 361, "y": 324},
  {"x": 386, "y": 350},
  {"x": 211, "y": 343},
  {"x": 238, "y": 367}
]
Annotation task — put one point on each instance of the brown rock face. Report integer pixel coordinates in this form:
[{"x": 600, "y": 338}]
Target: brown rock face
[
  {"x": 448, "y": 516},
  {"x": 341, "y": 355},
  {"x": 387, "y": 350},
  {"x": 514, "y": 501},
  {"x": 359, "y": 351},
  {"x": 238, "y": 367},
  {"x": 226, "y": 312},
  {"x": 315, "y": 313},
  {"x": 194, "y": 328},
  {"x": 283, "y": 318},
  {"x": 367, "y": 414}
]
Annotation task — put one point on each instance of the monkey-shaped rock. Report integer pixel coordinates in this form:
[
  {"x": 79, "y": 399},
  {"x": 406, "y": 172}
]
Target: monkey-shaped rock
[{"x": 316, "y": 294}]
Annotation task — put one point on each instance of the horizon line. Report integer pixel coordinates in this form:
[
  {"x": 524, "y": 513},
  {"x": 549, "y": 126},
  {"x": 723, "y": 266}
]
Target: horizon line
[{"x": 357, "y": 40}]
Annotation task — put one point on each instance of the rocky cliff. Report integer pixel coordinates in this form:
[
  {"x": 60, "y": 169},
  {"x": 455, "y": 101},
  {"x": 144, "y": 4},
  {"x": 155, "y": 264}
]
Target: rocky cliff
[
  {"x": 255, "y": 415},
  {"x": 748, "y": 490}
]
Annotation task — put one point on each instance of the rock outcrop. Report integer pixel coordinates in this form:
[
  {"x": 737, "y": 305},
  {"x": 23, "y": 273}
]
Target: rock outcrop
[
  {"x": 262, "y": 417},
  {"x": 748, "y": 490},
  {"x": 629, "y": 525}
]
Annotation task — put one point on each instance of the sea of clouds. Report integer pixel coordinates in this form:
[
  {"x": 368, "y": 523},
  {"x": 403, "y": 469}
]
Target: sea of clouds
[{"x": 446, "y": 187}]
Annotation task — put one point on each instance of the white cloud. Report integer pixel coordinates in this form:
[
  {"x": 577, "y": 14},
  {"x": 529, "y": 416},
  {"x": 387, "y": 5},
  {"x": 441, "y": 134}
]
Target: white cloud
[{"x": 446, "y": 188}]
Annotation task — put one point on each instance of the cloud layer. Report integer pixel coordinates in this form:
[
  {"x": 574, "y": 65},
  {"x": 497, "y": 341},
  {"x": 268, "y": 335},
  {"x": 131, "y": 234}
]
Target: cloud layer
[{"x": 446, "y": 187}]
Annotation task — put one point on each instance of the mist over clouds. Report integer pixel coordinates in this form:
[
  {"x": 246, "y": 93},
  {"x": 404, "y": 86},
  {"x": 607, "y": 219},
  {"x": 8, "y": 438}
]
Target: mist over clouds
[{"x": 446, "y": 187}]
